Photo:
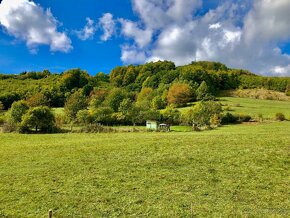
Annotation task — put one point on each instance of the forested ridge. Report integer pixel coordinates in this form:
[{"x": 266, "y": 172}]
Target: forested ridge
[
  {"x": 129, "y": 95},
  {"x": 54, "y": 89}
]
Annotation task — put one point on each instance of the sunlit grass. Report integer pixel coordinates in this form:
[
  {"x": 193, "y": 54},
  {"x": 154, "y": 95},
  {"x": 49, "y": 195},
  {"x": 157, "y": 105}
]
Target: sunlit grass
[
  {"x": 239, "y": 170},
  {"x": 253, "y": 107}
]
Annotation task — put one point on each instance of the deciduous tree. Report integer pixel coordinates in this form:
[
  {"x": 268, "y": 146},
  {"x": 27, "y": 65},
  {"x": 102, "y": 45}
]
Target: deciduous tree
[
  {"x": 179, "y": 94},
  {"x": 38, "y": 118},
  {"x": 18, "y": 109}
]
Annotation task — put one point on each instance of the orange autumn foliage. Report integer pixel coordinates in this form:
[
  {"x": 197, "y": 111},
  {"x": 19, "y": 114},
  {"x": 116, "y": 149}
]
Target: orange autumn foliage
[{"x": 179, "y": 94}]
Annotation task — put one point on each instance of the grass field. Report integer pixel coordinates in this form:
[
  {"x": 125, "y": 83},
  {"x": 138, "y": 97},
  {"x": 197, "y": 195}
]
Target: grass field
[
  {"x": 237, "y": 171},
  {"x": 254, "y": 107}
]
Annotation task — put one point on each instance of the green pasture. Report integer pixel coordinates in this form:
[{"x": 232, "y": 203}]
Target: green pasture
[
  {"x": 253, "y": 107},
  {"x": 232, "y": 171}
]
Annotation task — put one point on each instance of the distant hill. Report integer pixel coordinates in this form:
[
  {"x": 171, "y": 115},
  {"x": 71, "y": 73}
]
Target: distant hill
[{"x": 158, "y": 76}]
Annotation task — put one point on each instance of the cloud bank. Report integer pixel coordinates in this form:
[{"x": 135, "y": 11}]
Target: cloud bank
[
  {"x": 27, "y": 21},
  {"x": 242, "y": 34}
]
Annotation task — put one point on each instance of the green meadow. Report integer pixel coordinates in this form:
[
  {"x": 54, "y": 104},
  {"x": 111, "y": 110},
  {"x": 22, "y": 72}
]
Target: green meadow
[
  {"x": 253, "y": 107},
  {"x": 236, "y": 171}
]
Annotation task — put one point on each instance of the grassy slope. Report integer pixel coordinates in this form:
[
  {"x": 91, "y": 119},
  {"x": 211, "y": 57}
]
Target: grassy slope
[
  {"x": 234, "y": 170},
  {"x": 268, "y": 108},
  {"x": 254, "y": 107}
]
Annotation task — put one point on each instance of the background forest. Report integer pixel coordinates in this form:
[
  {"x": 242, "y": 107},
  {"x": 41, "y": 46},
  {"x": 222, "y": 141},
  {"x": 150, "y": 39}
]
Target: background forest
[{"x": 129, "y": 95}]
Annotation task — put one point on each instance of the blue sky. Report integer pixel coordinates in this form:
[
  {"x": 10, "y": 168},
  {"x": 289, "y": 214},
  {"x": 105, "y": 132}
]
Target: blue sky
[{"x": 100, "y": 35}]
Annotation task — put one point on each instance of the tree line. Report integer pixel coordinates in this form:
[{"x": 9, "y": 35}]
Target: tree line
[{"x": 129, "y": 94}]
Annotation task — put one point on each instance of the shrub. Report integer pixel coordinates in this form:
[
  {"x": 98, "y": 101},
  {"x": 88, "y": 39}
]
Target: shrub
[
  {"x": 186, "y": 117},
  {"x": 38, "y": 118},
  {"x": 215, "y": 120},
  {"x": 229, "y": 118},
  {"x": 204, "y": 111},
  {"x": 261, "y": 118},
  {"x": 84, "y": 117},
  {"x": 9, "y": 127},
  {"x": 103, "y": 115},
  {"x": 171, "y": 116},
  {"x": 59, "y": 120},
  {"x": 97, "y": 128},
  {"x": 18, "y": 109},
  {"x": 244, "y": 118},
  {"x": 280, "y": 117}
]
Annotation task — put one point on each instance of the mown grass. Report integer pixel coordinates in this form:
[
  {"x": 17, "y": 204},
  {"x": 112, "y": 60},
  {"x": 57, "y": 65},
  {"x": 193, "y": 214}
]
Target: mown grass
[
  {"x": 239, "y": 170},
  {"x": 254, "y": 107}
]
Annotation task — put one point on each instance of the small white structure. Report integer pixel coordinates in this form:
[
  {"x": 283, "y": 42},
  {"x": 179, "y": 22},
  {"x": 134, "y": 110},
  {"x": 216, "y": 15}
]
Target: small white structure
[{"x": 152, "y": 125}]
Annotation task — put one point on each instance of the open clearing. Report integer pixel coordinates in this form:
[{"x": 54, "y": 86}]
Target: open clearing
[{"x": 239, "y": 170}]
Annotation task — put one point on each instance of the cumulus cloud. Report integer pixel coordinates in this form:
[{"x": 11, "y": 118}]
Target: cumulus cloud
[
  {"x": 131, "y": 54},
  {"x": 281, "y": 70},
  {"x": 27, "y": 21},
  {"x": 156, "y": 14},
  {"x": 268, "y": 20},
  {"x": 242, "y": 34},
  {"x": 215, "y": 26},
  {"x": 130, "y": 29},
  {"x": 107, "y": 24},
  {"x": 88, "y": 31}
]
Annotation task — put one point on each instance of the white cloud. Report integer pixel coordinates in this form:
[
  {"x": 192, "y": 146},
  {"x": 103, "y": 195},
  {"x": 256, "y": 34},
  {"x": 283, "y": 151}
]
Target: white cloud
[
  {"x": 156, "y": 13},
  {"x": 27, "y": 21},
  {"x": 131, "y": 30},
  {"x": 107, "y": 23},
  {"x": 232, "y": 36},
  {"x": 131, "y": 54},
  {"x": 241, "y": 33},
  {"x": 268, "y": 20},
  {"x": 282, "y": 70},
  {"x": 175, "y": 43},
  {"x": 88, "y": 31},
  {"x": 215, "y": 26}
]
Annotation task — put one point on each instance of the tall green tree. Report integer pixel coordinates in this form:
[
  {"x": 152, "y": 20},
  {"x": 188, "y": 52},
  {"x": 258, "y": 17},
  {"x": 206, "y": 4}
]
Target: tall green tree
[
  {"x": 38, "y": 118},
  {"x": 203, "y": 92},
  {"x": 18, "y": 109},
  {"x": 76, "y": 102},
  {"x": 75, "y": 78},
  {"x": 115, "y": 97}
]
